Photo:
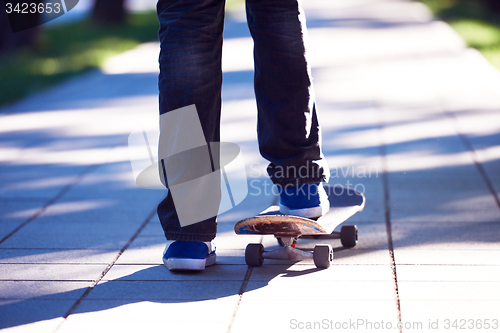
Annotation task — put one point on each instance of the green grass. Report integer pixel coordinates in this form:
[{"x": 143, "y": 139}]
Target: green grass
[
  {"x": 481, "y": 35},
  {"x": 68, "y": 50},
  {"x": 478, "y": 26}
]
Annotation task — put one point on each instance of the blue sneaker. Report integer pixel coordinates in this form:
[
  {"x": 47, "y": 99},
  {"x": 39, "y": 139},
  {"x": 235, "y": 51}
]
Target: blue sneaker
[
  {"x": 309, "y": 200},
  {"x": 188, "y": 256}
]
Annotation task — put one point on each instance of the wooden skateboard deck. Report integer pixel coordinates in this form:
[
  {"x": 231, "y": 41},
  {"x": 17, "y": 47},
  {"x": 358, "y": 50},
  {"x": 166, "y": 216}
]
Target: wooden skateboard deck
[
  {"x": 273, "y": 223},
  {"x": 344, "y": 203}
]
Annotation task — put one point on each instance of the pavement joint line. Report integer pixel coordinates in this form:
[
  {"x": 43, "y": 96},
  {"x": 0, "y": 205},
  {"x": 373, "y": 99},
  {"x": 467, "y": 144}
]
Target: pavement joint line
[
  {"x": 58, "y": 196},
  {"x": 240, "y": 294},
  {"x": 387, "y": 209},
  {"x": 468, "y": 145},
  {"x": 106, "y": 270},
  {"x": 245, "y": 282}
]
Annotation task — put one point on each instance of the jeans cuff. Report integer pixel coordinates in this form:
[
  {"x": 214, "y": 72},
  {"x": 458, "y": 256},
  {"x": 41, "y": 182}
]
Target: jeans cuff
[
  {"x": 190, "y": 237},
  {"x": 286, "y": 182}
]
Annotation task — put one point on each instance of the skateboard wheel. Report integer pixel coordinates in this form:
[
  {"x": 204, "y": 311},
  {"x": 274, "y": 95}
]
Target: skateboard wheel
[
  {"x": 323, "y": 255},
  {"x": 253, "y": 255},
  {"x": 349, "y": 235}
]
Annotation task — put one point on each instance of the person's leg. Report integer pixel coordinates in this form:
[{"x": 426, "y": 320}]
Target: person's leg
[
  {"x": 190, "y": 73},
  {"x": 288, "y": 128}
]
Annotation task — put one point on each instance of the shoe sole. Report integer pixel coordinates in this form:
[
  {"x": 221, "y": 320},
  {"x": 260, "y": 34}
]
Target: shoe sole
[{"x": 185, "y": 264}]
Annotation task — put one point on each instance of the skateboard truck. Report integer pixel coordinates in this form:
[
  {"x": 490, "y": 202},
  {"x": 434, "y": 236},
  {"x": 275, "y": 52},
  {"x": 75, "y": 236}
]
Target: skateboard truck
[
  {"x": 348, "y": 235},
  {"x": 255, "y": 254},
  {"x": 322, "y": 254},
  {"x": 287, "y": 251}
]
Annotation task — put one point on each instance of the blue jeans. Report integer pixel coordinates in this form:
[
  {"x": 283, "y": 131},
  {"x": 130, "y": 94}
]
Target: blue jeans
[{"x": 190, "y": 73}]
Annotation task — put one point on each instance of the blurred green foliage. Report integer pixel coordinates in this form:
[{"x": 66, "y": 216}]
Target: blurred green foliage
[
  {"x": 477, "y": 21},
  {"x": 234, "y": 5},
  {"x": 64, "y": 51},
  {"x": 460, "y": 9}
]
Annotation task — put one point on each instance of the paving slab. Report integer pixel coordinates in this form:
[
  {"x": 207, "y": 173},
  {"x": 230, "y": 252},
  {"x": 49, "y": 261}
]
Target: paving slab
[
  {"x": 13, "y": 213},
  {"x": 452, "y": 273},
  {"x": 86, "y": 230},
  {"x": 279, "y": 315},
  {"x": 153, "y": 316},
  {"x": 80, "y": 224},
  {"x": 182, "y": 290},
  {"x": 441, "y": 315},
  {"x": 35, "y": 181},
  {"x": 42, "y": 290},
  {"x": 449, "y": 291},
  {"x": 449, "y": 305},
  {"x": 145, "y": 250},
  {"x": 336, "y": 274},
  {"x": 152, "y": 251},
  {"x": 134, "y": 324},
  {"x": 318, "y": 290},
  {"x": 219, "y": 272},
  {"x": 423, "y": 254},
  {"x": 153, "y": 228},
  {"x": 32, "y": 315},
  {"x": 446, "y": 235},
  {"x": 56, "y": 256},
  {"x": 48, "y": 272}
]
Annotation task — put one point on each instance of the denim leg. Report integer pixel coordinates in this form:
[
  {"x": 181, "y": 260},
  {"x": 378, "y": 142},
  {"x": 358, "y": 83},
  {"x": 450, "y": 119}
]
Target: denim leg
[
  {"x": 288, "y": 128},
  {"x": 190, "y": 73}
]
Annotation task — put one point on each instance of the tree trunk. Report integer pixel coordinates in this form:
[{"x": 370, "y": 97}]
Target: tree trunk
[{"x": 108, "y": 12}]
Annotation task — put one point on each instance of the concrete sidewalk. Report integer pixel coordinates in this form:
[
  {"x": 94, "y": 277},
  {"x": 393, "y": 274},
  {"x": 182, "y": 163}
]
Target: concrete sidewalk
[{"x": 410, "y": 116}]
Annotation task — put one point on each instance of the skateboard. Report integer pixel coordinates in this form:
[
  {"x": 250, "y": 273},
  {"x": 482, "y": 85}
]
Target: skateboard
[{"x": 344, "y": 203}]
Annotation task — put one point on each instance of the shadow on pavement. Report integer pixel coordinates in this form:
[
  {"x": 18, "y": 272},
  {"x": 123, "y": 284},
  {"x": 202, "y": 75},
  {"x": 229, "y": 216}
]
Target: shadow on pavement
[{"x": 153, "y": 284}]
